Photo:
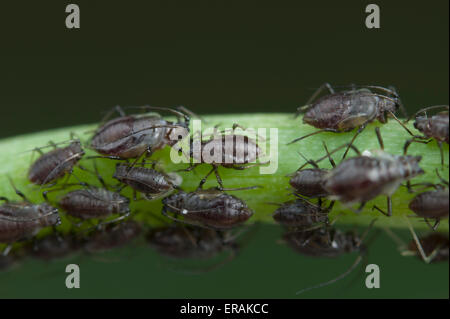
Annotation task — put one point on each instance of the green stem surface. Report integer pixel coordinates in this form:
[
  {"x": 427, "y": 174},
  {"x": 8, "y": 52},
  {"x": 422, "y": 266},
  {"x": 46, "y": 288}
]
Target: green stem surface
[{"x": 15, "y": 161}]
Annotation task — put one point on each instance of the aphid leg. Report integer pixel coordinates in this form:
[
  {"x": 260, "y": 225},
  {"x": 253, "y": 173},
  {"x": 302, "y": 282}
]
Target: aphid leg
[
  {"x": 425, "y": 258},
  {"x": 436, "y": 223},
  {"x": 311, "y": 134},
  {"x": 400, "y": 122},
  {"x": 360, "y": 208},
  {"x": 360, "y": 129},
  {"x": 308, "y": 161},
  {"x": 218, "y": 178},
  {"x": 4, "y": 199},
  {"x": 379, "y": 138},
  {"x": 18, "y": 192},
  {"x": 108, "y": 115},
  {"x": 203, "y": 181},
  {"x": 314, "y": 96},
  {"x": 443, "y": 181},
  {"x": 189, "y": 168},
  {"x": 333, "y": 164},
  {"x": 389, "y": 207},
  {"x": 99, "y": 177},
  {"x": 439, "y": 143}
]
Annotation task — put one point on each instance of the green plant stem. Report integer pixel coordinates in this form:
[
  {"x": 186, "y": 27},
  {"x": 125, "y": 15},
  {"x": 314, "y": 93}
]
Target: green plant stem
[{"x": 275, "y": 187}]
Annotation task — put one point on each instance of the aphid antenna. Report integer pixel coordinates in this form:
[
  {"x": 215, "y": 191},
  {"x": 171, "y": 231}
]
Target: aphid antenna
[
  {"x": 348, "y": 271},
  {"x": 354, "y": 148},
  {"x": 238, "y": 188},
  {"x": 167, "y": 109},
  {"x": 425, "y": 109},
  {"x": 314, "y": 96},
  {"x": 308, "y": 135},
  {"x": 51, "y": 144},
  {"x": 343, "y": 275}
]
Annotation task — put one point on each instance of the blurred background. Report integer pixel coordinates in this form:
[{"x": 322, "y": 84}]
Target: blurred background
[
  {"x": 211, "y": 56},
  {"x": 216, "y": 57}
]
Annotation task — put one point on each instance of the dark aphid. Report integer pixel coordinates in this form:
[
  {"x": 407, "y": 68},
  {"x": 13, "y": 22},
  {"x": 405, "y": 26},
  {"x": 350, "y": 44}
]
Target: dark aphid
[
  {"x": 112, "y": 236},
  {"x": 347, "y": 110},
  {"x": 135, "y": 135},
  {"x": 93, "y": 202},
  {"x": 23, "y": 220},
  {"x": 236, "y": 151},
  {"x": 301, "y": 214},
  {"x": 362, "y": 178},
  {"x": 148, "y": 181},
  {"x": 431, "y": 205},
  {"x": 434, "y": 127},
  {"x": 210, "y": 208},
  {"x": 327, "y": 242},
  {"x": 54, "y": 246},
  {"x": 55, "y": 164},
  {"x": 309, "y": 181}
]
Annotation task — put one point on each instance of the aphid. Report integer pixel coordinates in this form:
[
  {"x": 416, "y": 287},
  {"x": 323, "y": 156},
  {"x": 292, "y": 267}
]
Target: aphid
[
  {"x": 362, "y": 178},
  {"x": 135, "y": 135},
  {"x": 347, "y": 110},
  {"x": 301, "y": 214},
  {"x": 112, "y": 236},
  {"x": 54, "y": 246},
  {"x": 55, "y": 164},
  {"x": 23, "y": 220},
  {"x": 210, "y": 208},
  {"x": 148, "y": 181},
  {"x": 93, "y": 202},
  {"x": 189, "y": 242},
  {"x": 432, "y": 204},
  {"x": 236, "y": 151},
  {"x": 309, "y": 181},
  {"x": 327, "y": 242},
  {"x": 434, "y": 127}
]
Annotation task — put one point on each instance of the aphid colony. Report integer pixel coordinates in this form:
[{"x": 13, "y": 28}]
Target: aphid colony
[
  {"x": 205, "y": 219},
  {"x": 99, "y": 215}
]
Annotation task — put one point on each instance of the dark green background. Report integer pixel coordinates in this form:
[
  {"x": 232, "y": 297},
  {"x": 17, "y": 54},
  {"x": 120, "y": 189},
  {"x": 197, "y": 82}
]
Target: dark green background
[{"x": 214, "y": 57}]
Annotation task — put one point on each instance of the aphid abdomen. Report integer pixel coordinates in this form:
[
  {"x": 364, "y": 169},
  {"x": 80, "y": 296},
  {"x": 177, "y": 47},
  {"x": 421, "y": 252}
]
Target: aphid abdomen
[
  {"x": 327, "y": 112},
  {"x": 299, "y": 214},
  {"x": 144, "y": 180},
  {"x": 93, "y": 203},
  {"x": 439, "y": 127},
  {"x": 432, "y": 204},
  {"x": 308, "y": 182},
  {"x": 130, "y": 137},
  {"x": 19, "y": 220},
  {"x": 55, "y": 164}
]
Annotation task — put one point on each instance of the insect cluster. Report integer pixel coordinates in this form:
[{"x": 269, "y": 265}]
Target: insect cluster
[
  {"x": 207, "y": 222},
  {"x": 99, "y": 216}
]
